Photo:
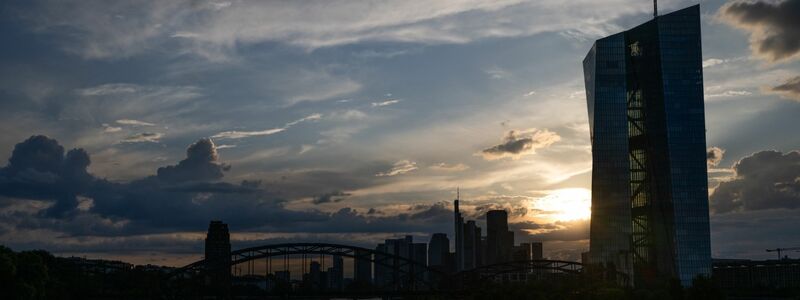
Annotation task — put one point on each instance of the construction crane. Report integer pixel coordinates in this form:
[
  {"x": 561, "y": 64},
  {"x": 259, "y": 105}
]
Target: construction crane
[{"x": 779, "y": 250}]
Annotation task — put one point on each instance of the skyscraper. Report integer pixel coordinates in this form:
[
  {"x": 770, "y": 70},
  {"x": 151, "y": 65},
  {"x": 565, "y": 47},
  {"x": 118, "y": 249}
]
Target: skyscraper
[
  {"x": 458, "y": 235},
  {"x": 218, "y": 256},
  {"x": 438, "y": 249},
  {"x": 644, "y": 92},
  {"x": 499, "y": 240}
]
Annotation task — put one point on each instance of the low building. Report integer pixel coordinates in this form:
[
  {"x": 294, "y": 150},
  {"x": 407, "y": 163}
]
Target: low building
[{"x": 749, "y": 274}]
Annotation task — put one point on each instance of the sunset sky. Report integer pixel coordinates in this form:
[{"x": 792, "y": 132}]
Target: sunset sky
[{"x": 355, "y": 121}]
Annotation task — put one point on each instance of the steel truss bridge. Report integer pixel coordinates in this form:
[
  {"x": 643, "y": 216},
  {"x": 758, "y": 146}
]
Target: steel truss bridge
[{"x": 414, "y": 277}]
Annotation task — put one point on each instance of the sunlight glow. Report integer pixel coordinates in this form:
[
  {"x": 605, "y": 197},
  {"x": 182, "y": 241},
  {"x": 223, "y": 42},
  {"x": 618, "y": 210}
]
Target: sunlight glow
[{"x": 565, "y": 205}]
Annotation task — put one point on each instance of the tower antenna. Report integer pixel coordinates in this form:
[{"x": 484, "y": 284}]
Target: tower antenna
[
  {"x": 655, "y": 9},
  {"x": 458, "y": 193}
]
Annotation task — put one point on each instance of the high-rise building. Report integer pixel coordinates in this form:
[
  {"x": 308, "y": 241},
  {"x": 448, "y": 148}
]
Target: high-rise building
[
  {"x": 499, "y": 240},
  {"x": 536, "y": 251},
  {"x": 458, "y": 235},
  {"x": 218, "y": 256},
  {"x": 438, "y": 249},
  {"x": 521, "y": 252},
  {"x": 336, "y": 274},
  {"x": 644, "y": 91},
  {"x": 471, "y": 255},
  {"x": 362, "y": 267}
]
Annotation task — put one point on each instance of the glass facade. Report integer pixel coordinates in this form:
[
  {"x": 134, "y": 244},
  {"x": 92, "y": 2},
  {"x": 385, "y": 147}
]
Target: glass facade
[{"x": 649, "y": 185}]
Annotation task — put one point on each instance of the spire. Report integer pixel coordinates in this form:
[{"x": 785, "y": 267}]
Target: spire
[
  {"x": 458, "y": 193},
  {"x": 655, "y": 9}
]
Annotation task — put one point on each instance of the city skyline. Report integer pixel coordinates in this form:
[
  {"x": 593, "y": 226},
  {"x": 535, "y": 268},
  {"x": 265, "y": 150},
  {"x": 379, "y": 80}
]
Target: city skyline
[{"x": 358, "y": 128}]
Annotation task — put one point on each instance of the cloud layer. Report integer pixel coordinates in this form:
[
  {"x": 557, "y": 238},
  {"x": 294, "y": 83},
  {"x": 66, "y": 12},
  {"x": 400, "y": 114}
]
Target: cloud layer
[
  {"x": 765, "y": 180},
  {"x": 774, "y": 27}
]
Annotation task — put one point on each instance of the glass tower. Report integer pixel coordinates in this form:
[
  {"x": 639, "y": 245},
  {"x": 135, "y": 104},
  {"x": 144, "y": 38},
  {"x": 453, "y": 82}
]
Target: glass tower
[{"x": 644, "y": 91}]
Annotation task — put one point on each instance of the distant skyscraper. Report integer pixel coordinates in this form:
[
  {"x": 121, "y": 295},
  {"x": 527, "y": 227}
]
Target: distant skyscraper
[
  {"x": 458, "y": 234},
  {"x": 472, "y": 245},
  {"x": 644, "y": 91},
  {"x": 438, "y": 249},
  {"x": 362, "y": 268},
  {"x": 536, "y": 251},
  {"x": 521, "y": 252},
  {"x": 499, "y": 240},
  {"x": 218, "y": 256}
]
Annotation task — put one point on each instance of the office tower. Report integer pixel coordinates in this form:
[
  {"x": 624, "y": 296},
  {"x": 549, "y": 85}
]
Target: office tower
[
  {"x": 536, "y": 251},
  {"x": 218, "y": 256},
  {"x": 499, "y": 240},
  {"x": 336, "y": 274},
  {"x": 402, "y": 247},
  {"x": 458, "y": 234},
  {"x": 438, "y": 249},
  {"x": 644, "y": 91},
  {"x": 382, "y": 269},
  {"x": 472, "y": 245},
  {"x": 362, "y": 268},
  {"x": 521, "y": 252}
]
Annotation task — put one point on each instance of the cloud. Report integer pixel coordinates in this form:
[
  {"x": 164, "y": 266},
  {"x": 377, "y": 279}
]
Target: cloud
[
  {"x": 449, "y": 167},
  {"x": 109, "y": 129},
  {"x": 385, "y": 103},
  {"x": 201, "y": 164},
  {"x": 235, "y": 134},
  {"x": 764, "y": 180},
  {"x": 774, "y": 27},
  {"x": 127, "y": 28},
  {"x": 38, "y": 169},
  {"x": 331, "y": 197},
  {"x": 727, "y": 94},
  {"x": 134, "y": 122},
  {"x": 712, "y": 62},
  {"x": 518, "y": 143},
  {"x": 714, "y": 156},
  {"x": 109, "y": 89},
  {"x": 151, "y": 137},
  {"x": 528, "y": 94},
  {"x": 789, "y": 89},
  {"x": 399, "y": 168}
]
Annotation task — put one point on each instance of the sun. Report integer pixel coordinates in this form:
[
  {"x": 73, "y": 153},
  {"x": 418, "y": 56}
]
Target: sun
[{"x": 565, "y": 205}]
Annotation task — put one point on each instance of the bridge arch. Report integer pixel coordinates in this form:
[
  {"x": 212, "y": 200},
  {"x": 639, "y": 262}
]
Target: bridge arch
[{"x": 411, "y": 269}]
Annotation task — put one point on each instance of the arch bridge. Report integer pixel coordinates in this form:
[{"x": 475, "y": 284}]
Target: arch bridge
[
  {"x": 415, "y": 273},
  {"x": 404, "y": 273}
]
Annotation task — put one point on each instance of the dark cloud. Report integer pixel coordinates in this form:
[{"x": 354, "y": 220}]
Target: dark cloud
[
  {"x": 201, "y": 164},
  {"x": 330, "y": 197},
  {"x": 714, "y": 156},
  {"x": 181, "y": 197},
  {"x": 774, "y": 26},
  {"x": 765, "y": 180},
  {"x": 518, "y": 143},
  {"x": 38, "y": 169},
  {"x": 789, "y": 89}
]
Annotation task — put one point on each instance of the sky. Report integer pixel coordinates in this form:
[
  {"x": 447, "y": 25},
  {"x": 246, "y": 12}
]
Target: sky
[{"x": 126, "y": 126}]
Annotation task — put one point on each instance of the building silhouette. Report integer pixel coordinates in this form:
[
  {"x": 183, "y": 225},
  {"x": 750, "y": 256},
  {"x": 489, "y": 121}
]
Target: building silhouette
[
  {"x": 458, "y": 235},
  {"x": 499, "y": 240},
  {"x": 218, "y": 253},
  {"x": 537, "y": 251},
  {"x": 402, "y": 247},
  {"x": 362, "y": 268},
  {"x": 644, "y": 92}
]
